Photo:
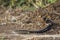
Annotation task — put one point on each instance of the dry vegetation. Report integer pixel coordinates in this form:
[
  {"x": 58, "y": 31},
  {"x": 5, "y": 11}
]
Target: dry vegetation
[
  {"x": 17, "y": 19},
  {"x": 13, "y": 18}
]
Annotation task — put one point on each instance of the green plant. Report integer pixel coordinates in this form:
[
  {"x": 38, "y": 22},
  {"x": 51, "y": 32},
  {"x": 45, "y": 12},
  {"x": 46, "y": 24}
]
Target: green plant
[
  {"x": 44, "y": 3},
  {"x": 2, "y": 38},
  {"x": 26, "y": 4},
  {"x": 52, "y": 1}
]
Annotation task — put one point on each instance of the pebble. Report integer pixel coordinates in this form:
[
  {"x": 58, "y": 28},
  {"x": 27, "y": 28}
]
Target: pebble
[
  {"x": 13, "y": 19},
  {"x": 2, "y": 24}
]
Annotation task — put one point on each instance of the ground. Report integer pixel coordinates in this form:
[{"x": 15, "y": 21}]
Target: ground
[{"x": 16, "y": 19}]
